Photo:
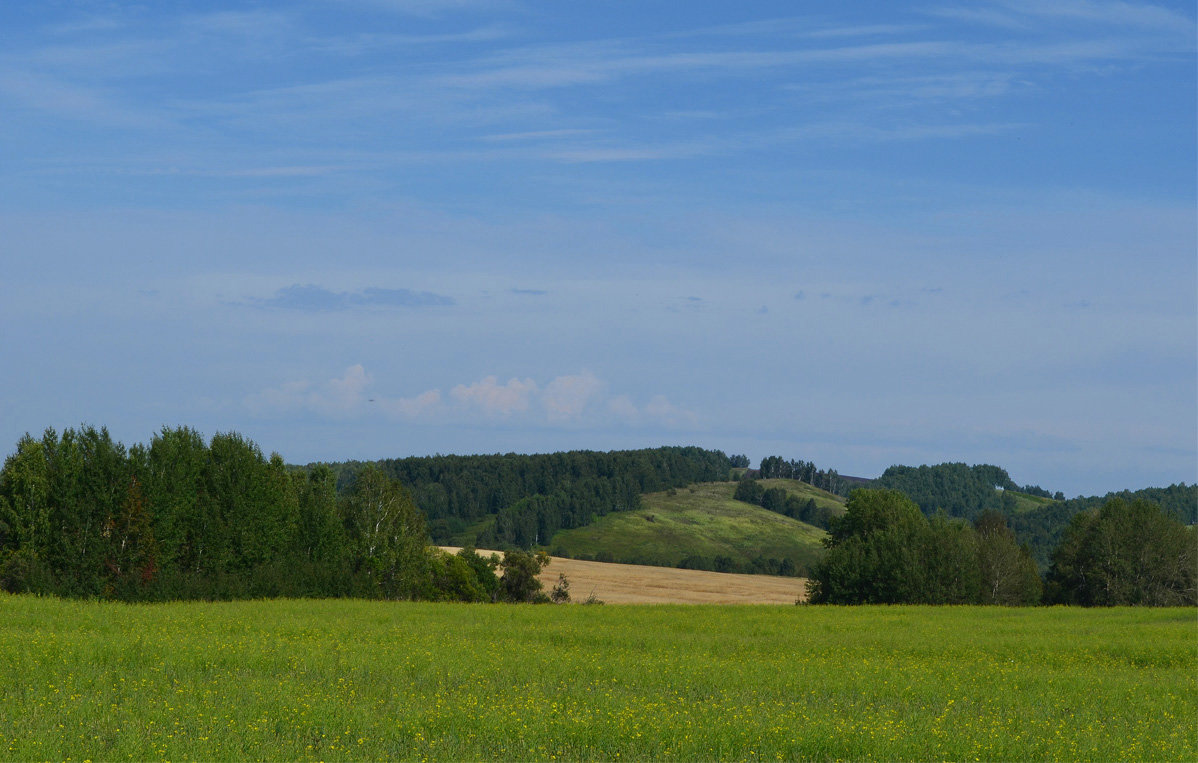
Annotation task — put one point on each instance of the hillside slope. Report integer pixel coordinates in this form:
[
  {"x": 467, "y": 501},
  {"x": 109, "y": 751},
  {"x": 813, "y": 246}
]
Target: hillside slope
[{"x": 700, "y": 526}]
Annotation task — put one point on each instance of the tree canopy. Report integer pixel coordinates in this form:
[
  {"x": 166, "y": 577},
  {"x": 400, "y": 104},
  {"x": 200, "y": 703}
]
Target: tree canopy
[
  {"x": 1125, "y": 553},
  {"x": 181, "y": 518},
  {"x": 883, "y": 550}
]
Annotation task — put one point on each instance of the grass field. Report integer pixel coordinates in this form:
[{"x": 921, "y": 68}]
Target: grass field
[
  {"x": 701, "y": 520},
  {"x": 352, "y": 680}
]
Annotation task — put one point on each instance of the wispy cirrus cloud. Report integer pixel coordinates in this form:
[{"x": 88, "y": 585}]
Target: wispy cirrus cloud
[
  {"x": 1021, "y": 14},
  {"x": 311, "y": 298}
]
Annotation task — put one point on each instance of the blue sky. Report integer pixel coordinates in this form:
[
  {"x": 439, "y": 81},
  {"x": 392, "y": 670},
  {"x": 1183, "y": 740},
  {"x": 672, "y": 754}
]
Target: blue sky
[{"x": 857, "y": 233}]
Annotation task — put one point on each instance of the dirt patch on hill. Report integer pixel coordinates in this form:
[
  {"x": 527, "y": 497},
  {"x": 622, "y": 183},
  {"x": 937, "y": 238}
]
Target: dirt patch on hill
[{"x": 638, "y": 584}]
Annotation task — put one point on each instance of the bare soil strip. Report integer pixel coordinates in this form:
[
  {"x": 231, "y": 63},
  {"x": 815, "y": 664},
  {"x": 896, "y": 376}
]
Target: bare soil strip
[{"x": 638, "y": 584}]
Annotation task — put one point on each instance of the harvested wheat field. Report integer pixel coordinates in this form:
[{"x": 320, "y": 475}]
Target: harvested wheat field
[{"x": 639, "y": 584}]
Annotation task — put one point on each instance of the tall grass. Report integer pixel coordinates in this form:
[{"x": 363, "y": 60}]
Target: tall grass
[{"x": 349, "y": 680}]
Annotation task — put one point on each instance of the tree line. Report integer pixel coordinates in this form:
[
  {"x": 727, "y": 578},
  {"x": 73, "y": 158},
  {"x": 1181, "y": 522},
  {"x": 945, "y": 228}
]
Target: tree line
[
  {"x": 885, "y": 550},
  {"x": 183, "y": 518}
]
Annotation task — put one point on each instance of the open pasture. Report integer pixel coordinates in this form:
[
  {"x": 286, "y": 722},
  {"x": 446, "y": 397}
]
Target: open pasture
[{"x": 354, "y": 680}]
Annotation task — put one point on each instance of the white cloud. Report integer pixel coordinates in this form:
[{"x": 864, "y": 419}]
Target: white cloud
[
  {"x": 663, "y": 411},
  {"x": 581, "y": 398},
  {"x": 345, "y": 394},
  {"x": 412, "y": 407},
  {"x": 495, "y": 399},
  {"x": 334, "y": 398},
  {"x": 624, "y": 409},
  {"x": 567, "y": 397}
]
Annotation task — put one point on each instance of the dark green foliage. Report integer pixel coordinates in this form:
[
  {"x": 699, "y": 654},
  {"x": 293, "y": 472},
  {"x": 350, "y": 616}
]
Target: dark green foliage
[
  {"x": 464, "y": 576},
  {"x": 183, "y": 519},
  {"x": 749, "y": 491},
  {"x": 738, "y": 461},
  {"x": 1042, "y": 528},
  {"x": 777, "y": 500},
  {"x": 885, "y": 551},
  {"x": 1009, "y": 575},
  {"x": 1126, "y": 553},
  {"x": 957, "y": 489},
  {"x": 519, "y": 583},
  {"x": 384, "y": 535}
]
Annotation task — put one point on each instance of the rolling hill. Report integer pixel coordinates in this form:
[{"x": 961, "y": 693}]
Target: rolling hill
[{"x": 703, "y": 527}]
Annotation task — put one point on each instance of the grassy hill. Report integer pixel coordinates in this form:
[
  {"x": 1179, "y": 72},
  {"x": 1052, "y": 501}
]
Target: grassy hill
[{"x": 701, "y": 522}]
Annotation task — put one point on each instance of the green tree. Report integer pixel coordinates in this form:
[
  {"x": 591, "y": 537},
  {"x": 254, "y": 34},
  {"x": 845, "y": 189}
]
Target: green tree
[
  {"x": 88, "y": 483},
  {"x": 24, "y": 515},
  {"x": 884, "y": 551},
  {"x": 132, "y": 560},
  {"x": 385, "y": 532},
  {"x": 520, "y": 582},
  {"x": 749, "y": 491},
  {"x": 1125, "y": 554},
  {"x": 1009, "y": 575},
  {"x": 172, "y": 472},
  {"x": 319, "y": 536}
]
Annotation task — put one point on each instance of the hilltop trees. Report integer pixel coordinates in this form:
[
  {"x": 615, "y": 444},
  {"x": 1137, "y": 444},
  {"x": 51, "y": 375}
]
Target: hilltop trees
[
  {"x": 957, "y": 489},
  {"x": 779, "y": 501},
  {"x": 776, "y": 467}
]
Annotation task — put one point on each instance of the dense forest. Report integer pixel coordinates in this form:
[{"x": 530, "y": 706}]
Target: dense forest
[
  {"x": 181, "y": 518},
  {"x": 499, "y": 501}
]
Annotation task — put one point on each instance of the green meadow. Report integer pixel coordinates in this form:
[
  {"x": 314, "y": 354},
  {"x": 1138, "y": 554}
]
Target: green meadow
[{"x": 357, "y": 680}]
